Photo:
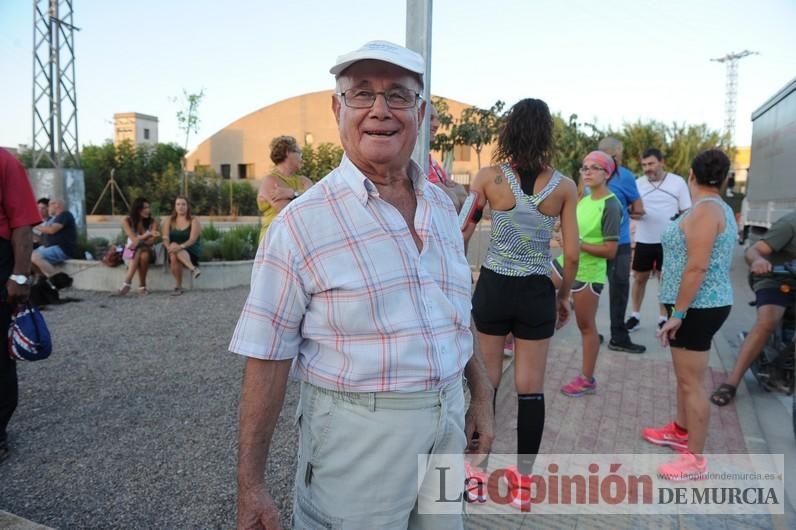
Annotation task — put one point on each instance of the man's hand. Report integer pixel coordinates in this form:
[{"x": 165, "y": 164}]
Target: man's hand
[
  {"x": 563, "y": 311},
  {"x": 17, "y": 294},
  {"x": 256, "y": 509},
  {"x": 480, "y": 418},
  {"x": 760, "y": 266},
  {"x": 282, "y": 194}
]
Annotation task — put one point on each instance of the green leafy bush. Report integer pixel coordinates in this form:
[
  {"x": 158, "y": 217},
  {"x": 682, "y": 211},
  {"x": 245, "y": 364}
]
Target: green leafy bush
[
  {"x": 210, "y": 233},
  {"x": 211, "y": 250},
  {"x": 233, "y": 248},
  {"x": 250, "y": 234}
]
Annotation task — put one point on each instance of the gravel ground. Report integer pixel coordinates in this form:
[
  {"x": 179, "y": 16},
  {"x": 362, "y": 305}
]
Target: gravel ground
[{"x": 132, "y": 423}]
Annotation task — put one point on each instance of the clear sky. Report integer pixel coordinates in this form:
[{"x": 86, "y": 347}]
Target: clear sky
[{"x": 609, "y": 61}]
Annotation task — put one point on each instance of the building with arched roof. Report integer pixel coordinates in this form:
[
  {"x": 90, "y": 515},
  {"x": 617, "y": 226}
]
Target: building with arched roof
[{"x": 241, "y": 149}]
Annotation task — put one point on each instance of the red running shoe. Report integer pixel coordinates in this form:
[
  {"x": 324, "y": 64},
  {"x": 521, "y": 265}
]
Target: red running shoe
[
  {"x": 668, "y": 435},
  {"x": 687, "y": 466}
]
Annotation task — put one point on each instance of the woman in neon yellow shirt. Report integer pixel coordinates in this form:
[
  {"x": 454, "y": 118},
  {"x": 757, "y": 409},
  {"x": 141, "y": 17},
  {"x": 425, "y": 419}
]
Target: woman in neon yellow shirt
[
  {"x": 283, "y": 184},
  {"x": 599, "y": 217}
]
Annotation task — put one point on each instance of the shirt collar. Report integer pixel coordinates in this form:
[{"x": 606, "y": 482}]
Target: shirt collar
[{"x": 364, "y": 187}]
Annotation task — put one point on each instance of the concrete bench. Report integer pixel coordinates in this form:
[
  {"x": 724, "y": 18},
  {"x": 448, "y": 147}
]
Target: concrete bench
[{"x": 94, "y": 276}]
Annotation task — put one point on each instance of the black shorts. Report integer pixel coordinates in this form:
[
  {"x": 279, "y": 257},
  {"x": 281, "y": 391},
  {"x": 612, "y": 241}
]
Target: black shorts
[
  {"x": 699, "y": 326},
  {"x": 596, "y": 288},
  {"x": 648, "y": 256},
  {"x": 773, "y": 296},
  {"x": 524, "y": 306}
]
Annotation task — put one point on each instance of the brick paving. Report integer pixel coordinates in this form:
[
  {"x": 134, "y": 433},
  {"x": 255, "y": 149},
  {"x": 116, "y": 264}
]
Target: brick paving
[{"x": 634, "y": 391}]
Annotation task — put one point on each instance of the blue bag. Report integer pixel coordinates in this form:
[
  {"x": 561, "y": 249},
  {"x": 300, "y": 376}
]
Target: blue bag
[{"x": 28, "y": 336}]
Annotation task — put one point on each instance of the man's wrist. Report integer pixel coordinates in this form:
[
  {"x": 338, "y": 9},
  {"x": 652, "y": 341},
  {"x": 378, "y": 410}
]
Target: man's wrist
[{"x": 679, "y": 314}]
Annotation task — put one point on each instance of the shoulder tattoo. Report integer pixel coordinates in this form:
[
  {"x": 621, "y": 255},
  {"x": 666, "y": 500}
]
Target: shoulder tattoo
[{"x": 499, "y": 178}]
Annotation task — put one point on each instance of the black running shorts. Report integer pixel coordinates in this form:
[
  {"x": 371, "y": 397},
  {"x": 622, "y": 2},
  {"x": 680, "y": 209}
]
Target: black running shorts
[
  {"x": 524, "y": 306},
  {"x": 647, "y": 256},
  {"x": 699, "y": 326}
]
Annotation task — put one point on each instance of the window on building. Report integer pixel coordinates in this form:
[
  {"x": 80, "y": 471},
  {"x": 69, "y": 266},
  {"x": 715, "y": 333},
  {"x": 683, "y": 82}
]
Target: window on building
[
  {"x": 146, "y": 134},
  {"x": 246, "y": 171},
  {"x": 461, "y": 153},
  {"x": 225, "y": 171}
]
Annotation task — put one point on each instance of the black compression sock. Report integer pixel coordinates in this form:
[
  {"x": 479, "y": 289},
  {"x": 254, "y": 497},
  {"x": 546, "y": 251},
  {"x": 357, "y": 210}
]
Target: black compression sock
[{"x": 530, "y": 426}]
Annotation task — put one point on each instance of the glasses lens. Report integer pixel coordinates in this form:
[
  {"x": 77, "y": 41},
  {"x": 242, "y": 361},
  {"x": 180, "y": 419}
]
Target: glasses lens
[
  {"x": 396, "y": 98},
  {"x": 584, "y": 169},
  {"x": 358, "y": 98},
  {"x": 400, "y": 98}
]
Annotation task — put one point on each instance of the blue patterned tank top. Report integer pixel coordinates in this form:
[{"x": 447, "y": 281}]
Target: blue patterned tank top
[
  {"x": 519, "y": 244},
  {"x": 716, "y": 288}
]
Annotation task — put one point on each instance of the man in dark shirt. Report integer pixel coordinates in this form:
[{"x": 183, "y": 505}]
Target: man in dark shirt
[
  {"x": 18, "y": 213},
  {"x": 60, "y": 239}
]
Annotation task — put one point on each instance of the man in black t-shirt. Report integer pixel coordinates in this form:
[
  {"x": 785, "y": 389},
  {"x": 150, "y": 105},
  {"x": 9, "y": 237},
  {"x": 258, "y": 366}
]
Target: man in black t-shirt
[{"x": 60, "y": 239}]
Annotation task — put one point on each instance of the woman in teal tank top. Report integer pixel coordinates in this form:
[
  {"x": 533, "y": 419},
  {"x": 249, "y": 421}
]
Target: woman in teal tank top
[
  {"x": 181, "y": 233},
  {"x": 599, "y": 218},
  {"x": 697, "y": 293}
]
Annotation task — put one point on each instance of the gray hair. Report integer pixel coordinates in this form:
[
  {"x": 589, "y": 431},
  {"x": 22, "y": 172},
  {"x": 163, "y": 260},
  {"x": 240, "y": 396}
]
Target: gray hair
[{"x": 610, "y": 145}]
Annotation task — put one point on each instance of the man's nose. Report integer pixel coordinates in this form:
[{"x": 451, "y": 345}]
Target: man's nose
[{"x": 380, "y": 106}]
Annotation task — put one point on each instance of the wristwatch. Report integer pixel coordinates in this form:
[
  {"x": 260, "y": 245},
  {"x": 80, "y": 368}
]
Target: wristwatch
[{"x": 19, "y": 279}]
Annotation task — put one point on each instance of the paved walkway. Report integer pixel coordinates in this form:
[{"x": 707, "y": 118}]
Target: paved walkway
[{"x": 634, "y": 391}]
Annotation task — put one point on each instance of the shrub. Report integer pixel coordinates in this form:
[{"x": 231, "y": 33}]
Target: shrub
[
  {"x": 210, "y": 233},
  {"x": 121, "y": 239},
  {"x": 233, "y": 248},
  {"x": 250, "y": 234},
  {"x": 211, "y": 250}
]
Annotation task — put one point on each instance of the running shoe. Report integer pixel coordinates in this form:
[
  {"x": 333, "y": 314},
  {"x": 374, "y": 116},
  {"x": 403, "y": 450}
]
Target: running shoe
[
  {"x": 629, "y": 346},
  {"x": 519, "y": 486},
  {"x": 632, "y": 324},
  {"x": 668, "y": 435},
  {"x": 579, "y": 386},
  {"x": 475, "y": 484},
  {"x": 687, "y": 466}
]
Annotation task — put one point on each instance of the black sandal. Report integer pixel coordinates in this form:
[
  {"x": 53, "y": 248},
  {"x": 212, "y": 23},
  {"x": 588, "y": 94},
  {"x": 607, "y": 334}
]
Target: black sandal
[{"x": 723, "y": 395}]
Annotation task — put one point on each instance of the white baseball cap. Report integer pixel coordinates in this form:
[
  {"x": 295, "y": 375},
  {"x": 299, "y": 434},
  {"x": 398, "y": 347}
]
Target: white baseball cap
[{"x": 382, "y": 50}]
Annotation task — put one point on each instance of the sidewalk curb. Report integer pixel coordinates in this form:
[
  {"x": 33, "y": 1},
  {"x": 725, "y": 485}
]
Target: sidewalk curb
[
  {"x": 747, "y": 419},
  {"x": 9, "y": 521},
  {"x": 750, "y": 426}
]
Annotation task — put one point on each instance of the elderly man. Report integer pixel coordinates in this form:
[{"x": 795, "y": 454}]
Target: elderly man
[
  {"x": 362, "y": 285},
  {"x": 60, "y": 239}
]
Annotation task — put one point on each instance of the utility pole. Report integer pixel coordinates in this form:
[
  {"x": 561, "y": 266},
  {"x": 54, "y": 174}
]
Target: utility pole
[
  {"x": 55, "y": 170},
  {"x": 54, "y": 90},
  {"x": 731, "y": 88},
  {"x": 418, "y": 38}
]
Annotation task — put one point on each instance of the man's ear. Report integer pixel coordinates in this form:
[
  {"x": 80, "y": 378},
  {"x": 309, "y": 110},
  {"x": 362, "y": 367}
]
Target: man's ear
[
  {"x": 336, "y": 108},
  {"x": 421, "y": 113}
]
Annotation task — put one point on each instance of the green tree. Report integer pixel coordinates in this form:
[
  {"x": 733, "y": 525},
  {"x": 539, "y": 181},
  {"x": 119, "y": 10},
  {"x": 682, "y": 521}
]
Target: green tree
[
  {"x": 188, "y": 121},
  {"x": 444, "y": 141},
  {"x": 571, "y": 142},
  {"x": 478, "y": 127},
  {"x": 318, "y": 161}
]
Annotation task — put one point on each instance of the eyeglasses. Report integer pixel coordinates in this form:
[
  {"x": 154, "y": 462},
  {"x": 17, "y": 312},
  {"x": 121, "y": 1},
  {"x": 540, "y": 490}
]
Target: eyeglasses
[
  {"x": 584, "y": 169},
  {"x": 396, "y": 98}
]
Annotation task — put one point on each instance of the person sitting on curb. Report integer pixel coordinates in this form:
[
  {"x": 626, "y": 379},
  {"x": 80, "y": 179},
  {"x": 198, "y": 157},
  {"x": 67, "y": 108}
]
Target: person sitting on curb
[
  {"x": 181, "y": 232},
  {"x": 778, "y": 246},
  {"x": 59, "y": 237},
  {"x": 142, "y": 232}
]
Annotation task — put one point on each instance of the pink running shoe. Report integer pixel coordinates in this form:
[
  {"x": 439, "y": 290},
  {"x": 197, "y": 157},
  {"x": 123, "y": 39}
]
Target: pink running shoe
[
  {"x": 687, "y": 466},
  {"x": 668, "y": 435},
  {"x": 519, "y": 489},
  {"x": 475, "y": 488},
  {"x": 579, "y": 386}
]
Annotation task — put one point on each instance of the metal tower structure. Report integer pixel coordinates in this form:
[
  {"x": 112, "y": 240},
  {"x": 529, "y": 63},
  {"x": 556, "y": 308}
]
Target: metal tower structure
[
  {"x": 54, "y": 92},
  {"x": 731, "y": 87}
]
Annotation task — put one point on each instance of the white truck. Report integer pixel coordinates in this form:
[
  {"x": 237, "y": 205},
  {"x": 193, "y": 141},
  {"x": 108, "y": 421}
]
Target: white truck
[{"x": 771, "y": 183}]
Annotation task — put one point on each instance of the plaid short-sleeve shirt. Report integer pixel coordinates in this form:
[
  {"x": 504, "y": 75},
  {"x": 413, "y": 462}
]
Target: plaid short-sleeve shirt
[{"x": 339, "y": 285}]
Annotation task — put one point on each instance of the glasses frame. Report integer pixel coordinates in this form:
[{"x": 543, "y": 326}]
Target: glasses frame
[{"x": 418, "y": 97}]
